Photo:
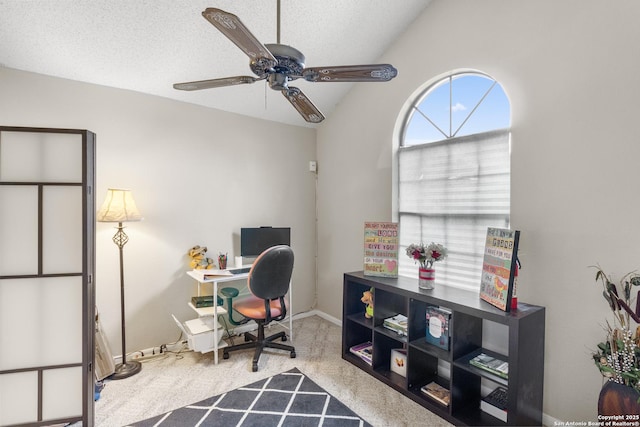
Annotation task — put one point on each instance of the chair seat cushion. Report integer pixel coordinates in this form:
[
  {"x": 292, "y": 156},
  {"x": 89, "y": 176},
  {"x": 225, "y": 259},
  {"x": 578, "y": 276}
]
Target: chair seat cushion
[{"x": 253, "y": 307}]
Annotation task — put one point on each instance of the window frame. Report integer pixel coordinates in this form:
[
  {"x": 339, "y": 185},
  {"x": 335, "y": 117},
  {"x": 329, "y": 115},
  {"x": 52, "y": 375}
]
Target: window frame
[{"x": 403, "y": 120}]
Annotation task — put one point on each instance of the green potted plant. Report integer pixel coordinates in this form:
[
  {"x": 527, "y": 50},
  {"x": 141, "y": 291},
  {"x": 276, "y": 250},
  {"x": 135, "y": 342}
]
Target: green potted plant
[{"x": 618, "y": 357}]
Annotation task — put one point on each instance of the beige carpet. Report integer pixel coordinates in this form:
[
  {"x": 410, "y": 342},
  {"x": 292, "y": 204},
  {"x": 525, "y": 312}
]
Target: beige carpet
[{"x": 170, "y": 382}]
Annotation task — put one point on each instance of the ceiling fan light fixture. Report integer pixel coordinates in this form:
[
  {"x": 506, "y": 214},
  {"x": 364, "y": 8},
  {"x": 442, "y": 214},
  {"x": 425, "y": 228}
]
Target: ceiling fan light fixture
[
  {"x": 280, "y": 64},
  {"x": 278, "y": 81}
]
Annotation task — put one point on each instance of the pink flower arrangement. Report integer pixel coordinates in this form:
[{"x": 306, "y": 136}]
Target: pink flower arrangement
[{"x": 427, "y": 255}]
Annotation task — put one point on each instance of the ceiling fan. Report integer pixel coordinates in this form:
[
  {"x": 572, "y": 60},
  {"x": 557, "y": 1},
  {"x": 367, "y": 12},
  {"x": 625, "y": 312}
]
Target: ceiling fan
[{"x": 279, "y": 64}]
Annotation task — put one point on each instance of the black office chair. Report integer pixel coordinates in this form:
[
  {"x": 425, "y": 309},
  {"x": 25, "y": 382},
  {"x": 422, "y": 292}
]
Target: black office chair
[{"x": 268, "y": 283}]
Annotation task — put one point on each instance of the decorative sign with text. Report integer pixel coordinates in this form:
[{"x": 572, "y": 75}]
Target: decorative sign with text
[
  {"x": 381, "y": 249},
  {"x": 499, "y": 267}
]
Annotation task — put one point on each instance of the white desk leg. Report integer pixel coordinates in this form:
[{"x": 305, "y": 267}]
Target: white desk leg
[
  {"x": 215, "y": 323},
  {"x": 291, "y": 311}
]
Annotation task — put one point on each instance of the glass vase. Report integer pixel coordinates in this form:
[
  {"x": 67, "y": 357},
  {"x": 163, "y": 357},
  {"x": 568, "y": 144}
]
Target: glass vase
[{"x": 426, "y": 278}]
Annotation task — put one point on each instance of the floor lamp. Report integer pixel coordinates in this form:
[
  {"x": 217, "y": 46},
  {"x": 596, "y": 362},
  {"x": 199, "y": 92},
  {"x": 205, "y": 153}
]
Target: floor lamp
[{"x": 120, "y": 207}]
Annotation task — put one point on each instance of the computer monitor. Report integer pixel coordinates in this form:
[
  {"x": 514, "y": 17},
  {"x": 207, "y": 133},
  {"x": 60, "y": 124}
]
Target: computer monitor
[{"x": 254, "y": 241}]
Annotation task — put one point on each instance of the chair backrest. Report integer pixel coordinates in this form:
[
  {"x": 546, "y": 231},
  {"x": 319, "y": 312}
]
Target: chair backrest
[{"x": 270, "y": 273}]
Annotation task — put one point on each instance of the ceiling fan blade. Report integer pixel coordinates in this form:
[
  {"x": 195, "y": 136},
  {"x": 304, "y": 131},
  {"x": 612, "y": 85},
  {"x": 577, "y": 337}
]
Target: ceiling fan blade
[
  {"x": 213, "y": 83},
  {"x": 351, "y": 73},
  {"x": 304, "y": 106},
  {"x": 231, "y": 26}
]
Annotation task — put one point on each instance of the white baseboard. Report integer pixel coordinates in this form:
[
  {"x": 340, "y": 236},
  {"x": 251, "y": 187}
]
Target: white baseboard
[
  {"x": 547, "y": 420},
  {"x": 318, "y": 313},
  {"x": 152, "y": 352}
]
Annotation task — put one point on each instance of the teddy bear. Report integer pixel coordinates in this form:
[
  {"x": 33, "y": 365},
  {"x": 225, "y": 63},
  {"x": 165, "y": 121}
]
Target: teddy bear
[
  {"x": 199, "y": 261},
  {"x": 367, "y": 298}
]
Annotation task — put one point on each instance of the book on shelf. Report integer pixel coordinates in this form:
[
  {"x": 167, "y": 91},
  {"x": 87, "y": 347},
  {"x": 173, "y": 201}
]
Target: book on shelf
[
  {"x": 437, "y": 392},
  {"x": 397, "y": 323},
  {"x": 495, "y": 403},
  {"x": 203, "y": 301},
  {"x": 491, "y": 364},
  {"x": 438, "y": 320},
  {"x": 364, "y": 351}
]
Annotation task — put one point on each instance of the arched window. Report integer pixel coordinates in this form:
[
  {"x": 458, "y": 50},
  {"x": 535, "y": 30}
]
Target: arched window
[{"x": 453, "y": 173}]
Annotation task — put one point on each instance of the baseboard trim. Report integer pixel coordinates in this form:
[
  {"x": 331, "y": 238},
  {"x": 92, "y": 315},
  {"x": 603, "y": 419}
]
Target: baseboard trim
[
  {"x": 547, "y": 420},
  {"x": 318, "y": 313}
]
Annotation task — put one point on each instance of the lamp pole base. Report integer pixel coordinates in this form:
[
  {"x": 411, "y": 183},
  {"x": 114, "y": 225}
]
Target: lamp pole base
[{"x": 126, "y": 370}]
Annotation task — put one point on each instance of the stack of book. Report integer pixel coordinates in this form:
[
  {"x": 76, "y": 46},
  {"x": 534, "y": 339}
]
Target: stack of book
[
  {"x": 495, "y": 403},
  {"x": 397, "y": 323},
  {"x": 491, "y": 364},
  {"x": 437, "y": 392},
  {"x": 364, "y": 351},
  {"x": 205, "y": 301}
]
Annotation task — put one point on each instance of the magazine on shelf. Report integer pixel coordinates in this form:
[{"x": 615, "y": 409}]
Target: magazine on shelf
[
  {"x": 499, "y": 267},
  {"x": 437, "y": 392},
  {"x": 438, "y": 320},
  {"x": 364, "y": 351},
  {"x": 397, "y": 323},
  {"x": 495, "y": 403},
  {"x": 491, "y": 364}
]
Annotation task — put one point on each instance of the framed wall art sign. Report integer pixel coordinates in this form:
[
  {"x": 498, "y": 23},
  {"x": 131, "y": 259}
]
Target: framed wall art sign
[
  {"x": 381, "y": 241},
  {"x": 499, "y": 267}
]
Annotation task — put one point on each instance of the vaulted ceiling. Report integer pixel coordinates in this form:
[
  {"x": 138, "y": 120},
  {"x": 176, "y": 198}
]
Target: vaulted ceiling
[{"x": 147, "y": 45}]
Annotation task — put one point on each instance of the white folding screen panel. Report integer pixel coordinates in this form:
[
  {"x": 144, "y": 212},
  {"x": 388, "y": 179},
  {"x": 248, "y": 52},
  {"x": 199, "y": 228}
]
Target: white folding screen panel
[
  {"x": 40, "y": 157},
  {"x": 19, "y": 230},
  {"x": 61, "y": 234},
  {"x": 46, "y": 263},
  {"x": 18, "y": 398}
]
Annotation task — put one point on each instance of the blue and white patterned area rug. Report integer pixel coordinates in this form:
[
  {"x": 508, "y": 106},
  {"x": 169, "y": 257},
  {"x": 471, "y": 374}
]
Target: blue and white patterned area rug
[{"x": 289, "y": 399}]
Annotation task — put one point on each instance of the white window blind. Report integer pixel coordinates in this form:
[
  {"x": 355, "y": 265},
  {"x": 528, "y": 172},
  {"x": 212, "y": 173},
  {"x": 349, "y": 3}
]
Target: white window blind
[{"x": 450, "y": 192}]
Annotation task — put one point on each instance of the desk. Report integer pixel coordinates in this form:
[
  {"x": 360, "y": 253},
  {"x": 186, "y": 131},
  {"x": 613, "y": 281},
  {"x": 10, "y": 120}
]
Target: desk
[{"x": 215, "y": 310}]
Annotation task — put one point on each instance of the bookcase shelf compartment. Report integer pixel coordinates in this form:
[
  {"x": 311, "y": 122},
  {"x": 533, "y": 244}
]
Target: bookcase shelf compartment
[
  {"x": 464, "y": 363},
  {"x": 524, "y": 328}
]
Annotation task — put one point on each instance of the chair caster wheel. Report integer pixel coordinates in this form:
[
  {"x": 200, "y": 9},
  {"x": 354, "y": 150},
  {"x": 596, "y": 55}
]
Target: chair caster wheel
[
  {"x": 293, "y": 354},
  {"x": 284, "y": 338},
  {"x": 254, "y": 367},
  {"x": 225, "y": 355}
]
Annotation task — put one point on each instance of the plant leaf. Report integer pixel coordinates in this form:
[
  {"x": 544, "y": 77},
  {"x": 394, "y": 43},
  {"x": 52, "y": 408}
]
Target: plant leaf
[
  {"x": 606, "y": 296},
  {"x": 612, "y": 288}
]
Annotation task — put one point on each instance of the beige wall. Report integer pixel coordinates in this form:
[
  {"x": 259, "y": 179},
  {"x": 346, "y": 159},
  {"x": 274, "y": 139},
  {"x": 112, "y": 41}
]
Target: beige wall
[
  {"x": 570, "y": 70},
  {"x": 198, "y": 175}
]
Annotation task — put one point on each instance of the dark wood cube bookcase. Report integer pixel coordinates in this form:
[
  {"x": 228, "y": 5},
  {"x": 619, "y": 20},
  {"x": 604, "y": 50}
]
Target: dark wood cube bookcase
[{"x": 524, "y": 326}]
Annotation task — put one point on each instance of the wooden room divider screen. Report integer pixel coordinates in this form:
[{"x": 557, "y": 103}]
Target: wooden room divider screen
[{"x": 47, "y": 300}]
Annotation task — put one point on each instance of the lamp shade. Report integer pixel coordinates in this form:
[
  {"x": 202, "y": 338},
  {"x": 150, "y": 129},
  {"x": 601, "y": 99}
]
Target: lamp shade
[{"x": 118, "y": 206}]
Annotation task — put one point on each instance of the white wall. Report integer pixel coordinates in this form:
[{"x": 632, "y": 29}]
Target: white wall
[
  {"x": 198, "y": 175},
  {"x": 570, "y": 69}
]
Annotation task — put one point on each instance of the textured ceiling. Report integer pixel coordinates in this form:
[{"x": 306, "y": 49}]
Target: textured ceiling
[{"x": 147, "y": 45}]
